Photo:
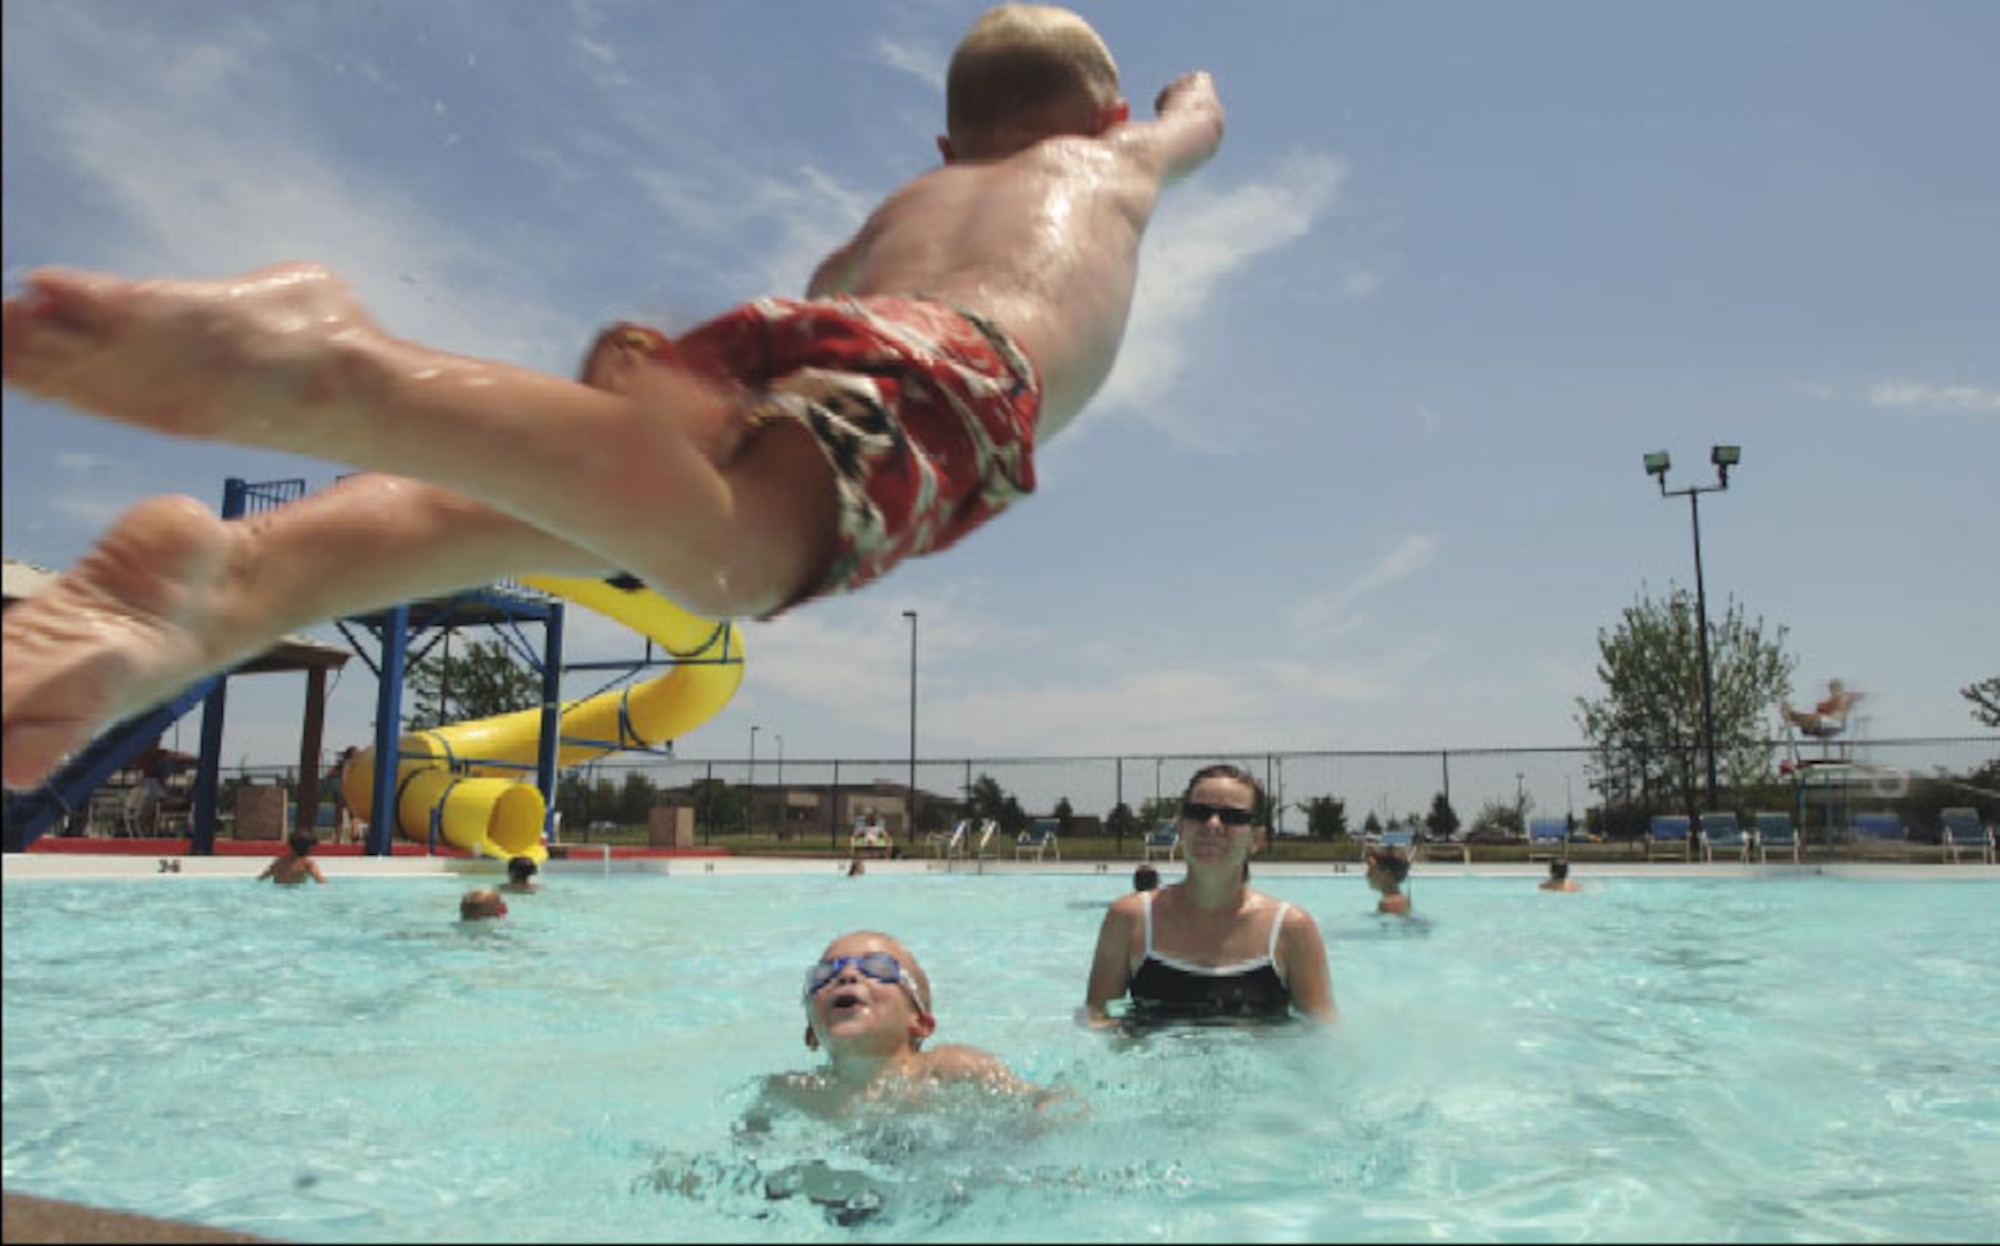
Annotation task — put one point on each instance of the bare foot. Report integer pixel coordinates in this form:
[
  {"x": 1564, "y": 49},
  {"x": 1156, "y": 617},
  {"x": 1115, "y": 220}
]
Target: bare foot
[
  {"x": 124, "y": 629},
  {"x": 240, "y": 359}
]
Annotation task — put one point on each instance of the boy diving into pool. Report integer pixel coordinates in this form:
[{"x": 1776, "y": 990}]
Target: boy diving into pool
[{"x": 785, "y": 450}]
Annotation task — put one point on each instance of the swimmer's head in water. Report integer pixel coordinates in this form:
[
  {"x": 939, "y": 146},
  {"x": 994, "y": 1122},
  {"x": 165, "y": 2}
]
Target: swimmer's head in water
[{"x": 867, "y": 990}]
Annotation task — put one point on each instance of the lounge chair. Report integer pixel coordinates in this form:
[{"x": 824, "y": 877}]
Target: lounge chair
[
  {"x": 1548, "y": 839},
  {"x": 988, "y": 831},
  {"x": 1721, "y": 832},
  {"x": 1039, "y": 838},
  {"x": 1406, "y": 840},
  {"x": 1775, "y": 832},
  {"x": 1667, "y": 839},
  {"x": 950, "y": 843},
  {"x": 1440, "y": 848},
  {"x": 1885, "y": 828},
  {"x": 1164, "y": 839},
  {"x": 1963, "y": 832}
]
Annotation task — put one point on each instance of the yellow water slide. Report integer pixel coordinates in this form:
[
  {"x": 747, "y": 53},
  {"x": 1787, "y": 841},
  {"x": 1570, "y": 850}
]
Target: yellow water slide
[{"x": 496, "y": 810}]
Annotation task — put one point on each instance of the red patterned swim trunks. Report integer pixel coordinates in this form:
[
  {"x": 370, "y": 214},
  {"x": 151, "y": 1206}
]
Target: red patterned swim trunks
[{"x": 925, "y": 412}]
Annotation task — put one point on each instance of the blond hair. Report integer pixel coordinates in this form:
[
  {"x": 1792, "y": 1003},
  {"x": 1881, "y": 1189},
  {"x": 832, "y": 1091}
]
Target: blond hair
[{"x": 1027, "y": 62}]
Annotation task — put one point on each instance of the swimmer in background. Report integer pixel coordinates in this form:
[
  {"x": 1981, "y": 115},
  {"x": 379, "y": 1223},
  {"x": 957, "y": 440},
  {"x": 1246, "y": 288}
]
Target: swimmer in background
[
  {"x": 481, "y": 904},
  {"x": 521, "y": 873},
  {"x": 296, "y": 865},
  {"x": 1145, "y": 878},
  {"x": 1558, "y": 879},
  {"x": 1387, "y": 870}
]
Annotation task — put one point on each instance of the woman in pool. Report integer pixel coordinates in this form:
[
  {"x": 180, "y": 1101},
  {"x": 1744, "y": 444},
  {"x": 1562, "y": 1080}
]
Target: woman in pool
[{"x": 1209, "y": 947}]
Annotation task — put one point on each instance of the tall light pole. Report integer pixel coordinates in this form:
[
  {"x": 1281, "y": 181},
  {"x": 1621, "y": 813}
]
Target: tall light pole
[
  {"x": 1724, "y": 458},
  {"x": 910, "y": 823},
  {"x": 781, "y": 766},
  {"x": 750, "y": 784}
]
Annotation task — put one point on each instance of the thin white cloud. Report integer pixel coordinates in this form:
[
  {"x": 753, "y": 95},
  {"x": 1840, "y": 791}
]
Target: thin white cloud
[
  {"x": 1918, "y": 395},
  {"x": 1337, "y": 611},
  {"x": 1197, "y": 243},
  {"x": 920, "y": 61}
]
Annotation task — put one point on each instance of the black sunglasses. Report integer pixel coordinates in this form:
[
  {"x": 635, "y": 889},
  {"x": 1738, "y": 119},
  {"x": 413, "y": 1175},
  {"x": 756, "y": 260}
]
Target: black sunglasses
[{"x": 1195, "y": 811}]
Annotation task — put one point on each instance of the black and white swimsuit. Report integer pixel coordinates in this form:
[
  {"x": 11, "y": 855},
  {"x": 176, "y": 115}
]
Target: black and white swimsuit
[{"x": 1166, "y": 988}]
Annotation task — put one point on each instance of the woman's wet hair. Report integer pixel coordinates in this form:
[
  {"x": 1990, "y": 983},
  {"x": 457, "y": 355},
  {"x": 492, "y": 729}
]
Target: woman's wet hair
[
  {"x": 1225, "y": 770},
  {"x": 1390, "y": 859}
]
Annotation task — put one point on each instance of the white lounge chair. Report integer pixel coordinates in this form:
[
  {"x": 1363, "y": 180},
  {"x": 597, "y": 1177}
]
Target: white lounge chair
[
  {"x": 1164, "y": 840},
  {"x": 950, "y": 843}
]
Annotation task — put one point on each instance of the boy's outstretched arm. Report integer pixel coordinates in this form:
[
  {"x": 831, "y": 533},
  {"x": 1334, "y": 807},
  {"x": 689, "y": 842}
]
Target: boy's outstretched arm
[{"x": 1186, "y": 132}]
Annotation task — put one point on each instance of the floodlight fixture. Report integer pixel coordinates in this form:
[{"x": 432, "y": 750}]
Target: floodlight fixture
[{"x": 1657, "y": 464}]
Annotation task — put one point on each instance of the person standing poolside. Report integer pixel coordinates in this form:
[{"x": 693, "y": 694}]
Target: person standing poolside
[
  {"x": 1558, "y": 879},
  {"x": 1210, "y": 947},
  {"x": 785, "y": 450},
  {"x": 296, "y": 865},
  {"x": 1387, "y": 869},
  {"x": 343, "y": 808}
]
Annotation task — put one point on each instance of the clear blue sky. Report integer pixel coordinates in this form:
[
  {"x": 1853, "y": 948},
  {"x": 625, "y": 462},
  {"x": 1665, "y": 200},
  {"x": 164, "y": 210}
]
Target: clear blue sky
[{"x": 1369, "y": 472}]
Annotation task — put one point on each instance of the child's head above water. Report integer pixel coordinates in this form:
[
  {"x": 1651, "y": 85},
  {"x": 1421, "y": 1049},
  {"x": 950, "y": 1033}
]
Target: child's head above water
[{"x": 867, "y": 995}]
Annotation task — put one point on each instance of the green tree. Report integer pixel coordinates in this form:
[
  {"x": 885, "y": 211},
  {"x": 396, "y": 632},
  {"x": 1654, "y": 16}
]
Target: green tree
[
  {"x": 1647, "y": 728},
  {"x": 1985, "y": 698},
  {"x": 636, "y": 798},
  {"x": 1442, "y": 821},
  {"x": 485, "y": 680},
  {"x": 1121, "y": 821},
  {"x": 1326, "y": 817},
  {"x": 1372, "y": 826},
  {"x": 989, "y": 800},
  {"x": 1065, "y": 815}
]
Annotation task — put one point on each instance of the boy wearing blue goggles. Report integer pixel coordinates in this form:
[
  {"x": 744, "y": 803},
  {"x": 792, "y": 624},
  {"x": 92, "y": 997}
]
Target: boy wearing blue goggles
[{"x": 868, "y": 1007}]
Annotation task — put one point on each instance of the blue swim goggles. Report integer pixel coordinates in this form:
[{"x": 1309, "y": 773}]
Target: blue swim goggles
[{"x": 880, "y": 966}]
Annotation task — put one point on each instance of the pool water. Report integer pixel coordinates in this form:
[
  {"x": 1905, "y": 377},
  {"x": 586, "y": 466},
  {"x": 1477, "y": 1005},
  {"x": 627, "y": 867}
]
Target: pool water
[{"x": 1799, "y": 1059}]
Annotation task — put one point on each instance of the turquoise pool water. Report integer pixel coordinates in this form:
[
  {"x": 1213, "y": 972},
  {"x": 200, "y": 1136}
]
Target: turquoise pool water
[{"x": 1803, "y": 1059}]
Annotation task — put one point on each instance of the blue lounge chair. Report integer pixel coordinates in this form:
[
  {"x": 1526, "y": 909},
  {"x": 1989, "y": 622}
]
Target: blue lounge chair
[
  {"x": 1775, "y": 833},
  {"x": 1885, "y": 828},
  {"x": 1401, "y": 839},
  {"x": 1164, "y": 839},
  {"x": 1963, "y": 832},
  {"x": 1548, "y": 839},
  {"x": 1039, "y": 838},
  {"x": 1668, "y": 838},
  {"x": 1721, "y": 832}
]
